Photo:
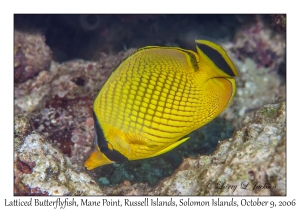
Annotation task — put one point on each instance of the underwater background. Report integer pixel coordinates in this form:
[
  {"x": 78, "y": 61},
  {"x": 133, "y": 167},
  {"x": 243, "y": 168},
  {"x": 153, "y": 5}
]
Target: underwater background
[{"x": 61, "y": 62}]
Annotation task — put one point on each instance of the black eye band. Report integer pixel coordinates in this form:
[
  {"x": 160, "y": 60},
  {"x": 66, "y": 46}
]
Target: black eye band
[{"x": 216, "y": 58}]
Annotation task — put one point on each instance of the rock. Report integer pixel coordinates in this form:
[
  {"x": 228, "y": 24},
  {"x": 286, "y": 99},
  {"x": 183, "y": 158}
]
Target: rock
[
  {"x": 31, "y": 55},
  {"x": 252, "y": 162},
  {"x": 41, "y": 169}
]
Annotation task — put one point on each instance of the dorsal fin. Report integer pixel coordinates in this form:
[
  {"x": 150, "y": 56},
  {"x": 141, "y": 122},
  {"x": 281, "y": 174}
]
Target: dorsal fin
[{"x": 216, "y": 58}]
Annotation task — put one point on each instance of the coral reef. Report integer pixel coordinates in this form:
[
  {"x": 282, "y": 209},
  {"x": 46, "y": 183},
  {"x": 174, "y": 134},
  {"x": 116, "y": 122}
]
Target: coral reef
[
  {"x": 252, "y": 162},
  {"x": 57, "y": 98},
  {"x": 31, "y": 55},
  {"x": 260, "y": 43},
  {"x": 259, "y": 54},
  {"x": 41, "y": 169}
]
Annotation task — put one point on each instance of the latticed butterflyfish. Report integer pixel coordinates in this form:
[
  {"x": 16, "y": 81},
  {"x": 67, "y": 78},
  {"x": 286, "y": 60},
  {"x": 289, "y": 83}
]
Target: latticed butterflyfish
[{"x": 156, "y": 97}]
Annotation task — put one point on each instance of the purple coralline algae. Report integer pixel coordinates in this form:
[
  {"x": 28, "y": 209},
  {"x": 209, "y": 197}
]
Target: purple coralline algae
[
  {"x": 259, "y": 54},
  {"x": 261, "y": 43}
]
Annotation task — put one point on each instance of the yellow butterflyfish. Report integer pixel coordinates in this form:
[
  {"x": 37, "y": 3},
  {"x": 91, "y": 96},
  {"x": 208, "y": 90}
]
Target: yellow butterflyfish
[{"x": 156, "y": 97}]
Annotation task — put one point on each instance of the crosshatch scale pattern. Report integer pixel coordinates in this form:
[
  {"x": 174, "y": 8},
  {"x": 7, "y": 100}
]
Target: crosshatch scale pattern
[{"x": 154, "y": 97}]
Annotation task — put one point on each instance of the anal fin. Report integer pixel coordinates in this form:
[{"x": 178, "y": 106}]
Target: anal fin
[{"x": 170, "y": 147}]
